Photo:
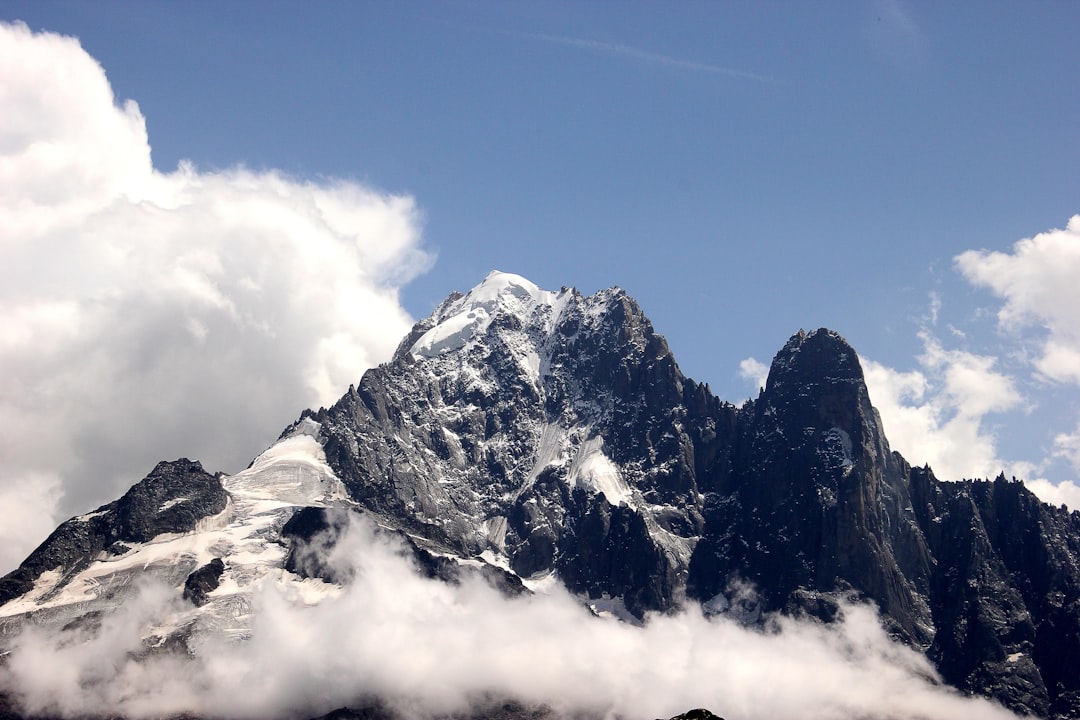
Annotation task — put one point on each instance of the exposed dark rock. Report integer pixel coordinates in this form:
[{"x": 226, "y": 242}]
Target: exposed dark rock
[
  {"x": 796, "y": 492},
  {"x": 609, "y": 550},
  {"x": 815, "y": 499},
  {"x": 438, "y": 449},
  {"x": 173, "y": 498},
  {"x": 203, "y": 581},
  {"x": 698, "y": 714}
]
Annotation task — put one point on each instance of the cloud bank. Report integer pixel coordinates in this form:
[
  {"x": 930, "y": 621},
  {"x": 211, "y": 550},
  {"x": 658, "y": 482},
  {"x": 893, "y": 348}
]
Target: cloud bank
[
  {"x": 148, "y": 315},
  {"x": 426, "y": 647}
]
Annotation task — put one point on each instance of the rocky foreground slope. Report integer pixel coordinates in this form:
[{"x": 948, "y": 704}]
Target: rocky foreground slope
[{"x": 536, "y": 437}]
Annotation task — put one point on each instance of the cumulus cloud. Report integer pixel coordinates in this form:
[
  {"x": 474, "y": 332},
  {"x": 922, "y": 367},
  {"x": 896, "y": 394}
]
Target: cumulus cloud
[
  {"x": 1065, "y": 492},
  {"x": 754, "y": 372},
  {"x": 1038, "y": 282},
  {"x": 427, "y": 648},
  {"x": 938, "y": 413},
  {"x": 1041, "y": 315},
  {"x": 148, "y": 315}
]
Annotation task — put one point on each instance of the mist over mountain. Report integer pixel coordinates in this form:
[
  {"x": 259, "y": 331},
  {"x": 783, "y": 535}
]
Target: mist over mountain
[{"x": 531, "y": 512}]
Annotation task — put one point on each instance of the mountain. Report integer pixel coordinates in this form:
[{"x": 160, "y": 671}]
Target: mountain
[{"x": 531, "y": 437}]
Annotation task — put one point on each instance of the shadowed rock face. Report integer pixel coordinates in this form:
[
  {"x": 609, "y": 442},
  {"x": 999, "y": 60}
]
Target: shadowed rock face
[
  {"x": 554, "y": 433},
  {"x": 815, "y": 499}
]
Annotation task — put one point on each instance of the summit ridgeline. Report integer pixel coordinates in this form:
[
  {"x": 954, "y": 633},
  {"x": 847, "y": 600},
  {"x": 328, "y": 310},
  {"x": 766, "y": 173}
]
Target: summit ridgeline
[{"x": 537, "y": 436}]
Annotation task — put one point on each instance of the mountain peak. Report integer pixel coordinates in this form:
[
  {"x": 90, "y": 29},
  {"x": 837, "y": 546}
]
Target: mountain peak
[
  {"x": 811, "y": 357},
  {"x": 455, "y": 324}
]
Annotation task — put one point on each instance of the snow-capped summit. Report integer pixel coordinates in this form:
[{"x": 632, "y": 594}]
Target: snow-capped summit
[{"x": 459, "y": 322}]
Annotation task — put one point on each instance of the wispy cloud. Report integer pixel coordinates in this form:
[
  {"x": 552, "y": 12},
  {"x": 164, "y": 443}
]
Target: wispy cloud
[
  {"x": 616, "y": 50},
  {"x": 633, "y": 53}
]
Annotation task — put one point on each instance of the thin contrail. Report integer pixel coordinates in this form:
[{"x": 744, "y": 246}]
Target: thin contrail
[
  {"x": 645, "y": 55},
  {"x": 615, "y": 49}
]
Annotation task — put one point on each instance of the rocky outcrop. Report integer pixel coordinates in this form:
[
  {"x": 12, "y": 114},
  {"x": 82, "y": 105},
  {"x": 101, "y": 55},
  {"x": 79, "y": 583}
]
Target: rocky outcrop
[
  {"x": 697, "y": 714},
  {"x": 173, "y": 498},
  {"x": 981, "y": 575},
  {"x": 1005, "y": 591},
  {"x": 204, "y": 580},
  {"x": 815, "y": 499}
]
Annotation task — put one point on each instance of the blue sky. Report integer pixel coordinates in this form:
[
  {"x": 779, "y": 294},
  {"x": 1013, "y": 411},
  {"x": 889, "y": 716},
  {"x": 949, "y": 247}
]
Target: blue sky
[
  {"x": 742, "y": 169},
  {"x": 580, "y": 145}
]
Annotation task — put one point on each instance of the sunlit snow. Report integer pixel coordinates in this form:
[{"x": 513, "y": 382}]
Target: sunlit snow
[
  {"x": 471, "y": 315},
  {"x": 291, "y": 473}
]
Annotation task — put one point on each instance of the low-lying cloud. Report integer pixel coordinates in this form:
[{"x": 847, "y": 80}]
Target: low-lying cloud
[
  {"x": 429, "y": 648},
  {"x": 148, "y": 315}
]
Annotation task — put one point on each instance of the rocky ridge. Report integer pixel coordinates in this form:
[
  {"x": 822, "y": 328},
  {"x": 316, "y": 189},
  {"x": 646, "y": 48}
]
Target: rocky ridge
[{"x": 539, "y": 435}]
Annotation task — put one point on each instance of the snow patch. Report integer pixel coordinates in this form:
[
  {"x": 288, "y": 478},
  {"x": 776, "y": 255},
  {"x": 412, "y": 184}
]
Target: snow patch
[
  {"x": 495, "y": 530},
  {"x": 593, "y": 470},
  {"x": 496, "y": 559},
  {"x": 452, "y": 333},
  {"x": 543, "y": 583},
  {"x": 171, "y": 503},
  {"x": 612, "y": 608},
  {"x": 291, "y": 473},
  {"x": 549, "y": 451},
  {"x": 471, "y": 315}
]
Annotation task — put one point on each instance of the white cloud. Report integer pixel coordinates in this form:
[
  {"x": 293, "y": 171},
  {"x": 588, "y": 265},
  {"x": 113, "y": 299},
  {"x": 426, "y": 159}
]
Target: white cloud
[
  {"x": 431, "y": 648},
  {"x": 754, "y": 372},
  {"x": 937, "y": 414},
  {"x": 1041, "y": 313},
  {"x": 147, "y": 315},
  {"x": 1067, "y": 445},
  {"x": 1038, "y": 281},
  {"x": 1065, "y": 492},
  {"x": 971, "y": 385}
]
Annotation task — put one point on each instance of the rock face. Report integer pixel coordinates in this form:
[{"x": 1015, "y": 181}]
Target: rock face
[
  {"x": 814, "y": 499},
  {"x": 539, "y": 427},
  {"x": 531, "y": 434},
  {"x": 171, "y": 499}
]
